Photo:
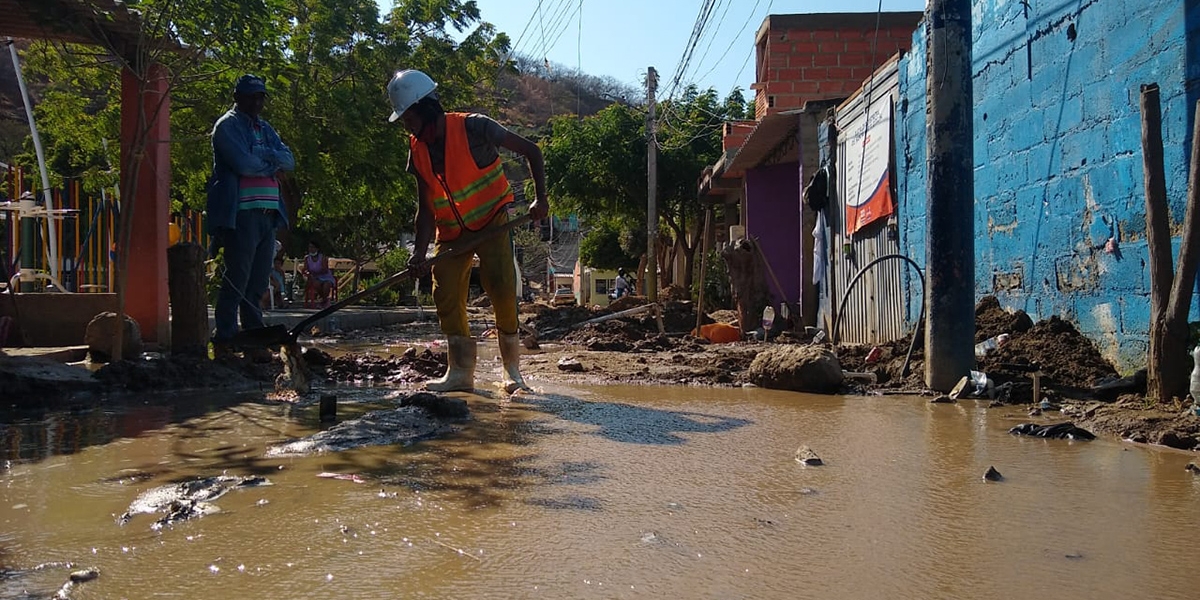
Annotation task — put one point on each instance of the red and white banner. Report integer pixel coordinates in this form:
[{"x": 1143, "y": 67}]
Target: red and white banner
[{"x": 867, "y": 167}]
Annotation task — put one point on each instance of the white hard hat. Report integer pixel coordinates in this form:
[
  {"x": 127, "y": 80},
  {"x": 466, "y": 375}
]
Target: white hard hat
[{"x": 406, "y": 88}]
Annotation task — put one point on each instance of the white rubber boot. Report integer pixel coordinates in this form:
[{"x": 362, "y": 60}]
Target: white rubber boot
[
  {"x": 460, "y": 366},
  {"x": 510, "y": 353}
]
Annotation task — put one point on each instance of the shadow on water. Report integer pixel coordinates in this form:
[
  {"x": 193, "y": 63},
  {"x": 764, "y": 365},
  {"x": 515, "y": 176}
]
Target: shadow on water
[
  {"x": 632, "y": 424},
  {"x": 480, "y": 465},
  {"x": 38, "y": 434}
]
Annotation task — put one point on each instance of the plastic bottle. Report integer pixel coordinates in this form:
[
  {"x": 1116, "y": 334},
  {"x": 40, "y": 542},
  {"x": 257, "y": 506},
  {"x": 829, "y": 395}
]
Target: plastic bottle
[
  {"x": 768, "y": 319},
  {"x": 1194, "y": 388},
  {"x": 982, "y": 348}
]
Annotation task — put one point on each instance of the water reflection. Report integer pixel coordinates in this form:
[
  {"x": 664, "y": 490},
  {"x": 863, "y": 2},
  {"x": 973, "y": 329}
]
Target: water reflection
[{"x": 605, "y": 492}]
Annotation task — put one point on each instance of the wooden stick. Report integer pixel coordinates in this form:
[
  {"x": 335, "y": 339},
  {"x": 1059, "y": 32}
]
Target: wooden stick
[
  {"x": 703, "y": 269},
  {"x": 782, "y": 294}
]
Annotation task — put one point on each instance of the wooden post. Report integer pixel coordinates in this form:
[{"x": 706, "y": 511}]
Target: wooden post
[
  {"x": 651, "y": 289},
  {"x": 708, "y": 213},
  {"x": 189, "y": 302},
  {"x": 1168, "y": 364}
]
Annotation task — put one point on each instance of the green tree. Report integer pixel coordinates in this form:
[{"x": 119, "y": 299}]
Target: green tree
[
  {"x": 327, "y": 64},
  {"x": 596, "y": 166},
  {"x": 601, "y": 247}
]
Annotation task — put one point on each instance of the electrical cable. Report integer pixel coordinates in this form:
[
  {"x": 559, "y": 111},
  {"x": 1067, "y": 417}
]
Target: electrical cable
[{"x": 837, "y": 318}]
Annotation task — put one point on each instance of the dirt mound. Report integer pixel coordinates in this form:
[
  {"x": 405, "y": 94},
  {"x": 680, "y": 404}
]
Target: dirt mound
[
  {"x": 724, "y": 316},
  {"x": 410, "y": 367},
  {"x": 626, "y": 303},
  {"x": 566, "y": 322},
  {"x": 991, "y": 320},
  {"x": 674, "y": 293},
  {"x": 1068, "y": 360},
  {"x": 1066, "y": 357},
  {"x": 184, "y": 372}
]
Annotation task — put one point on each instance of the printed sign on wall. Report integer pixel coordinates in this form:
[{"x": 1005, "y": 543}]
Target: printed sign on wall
[{"x": 867, "y": 161}]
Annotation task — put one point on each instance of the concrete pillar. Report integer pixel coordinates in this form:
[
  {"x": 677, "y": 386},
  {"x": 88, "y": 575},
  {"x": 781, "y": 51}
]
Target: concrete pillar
[
  {"x": 950, "y": 247},
  {"x": 146, "y": 108}
]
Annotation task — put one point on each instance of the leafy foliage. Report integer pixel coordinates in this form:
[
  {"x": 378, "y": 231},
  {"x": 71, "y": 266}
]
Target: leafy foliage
[
  {"x": 596, "y": 167},
  {"x": 602, "y": 248}
]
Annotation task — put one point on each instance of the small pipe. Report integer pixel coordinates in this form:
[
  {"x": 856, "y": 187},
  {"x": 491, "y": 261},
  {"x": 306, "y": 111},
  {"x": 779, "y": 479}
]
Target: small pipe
[{"x": 837, "y": 318}]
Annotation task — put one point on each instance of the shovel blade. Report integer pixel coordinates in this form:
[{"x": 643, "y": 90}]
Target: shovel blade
[{"x": 264, "y": 337}]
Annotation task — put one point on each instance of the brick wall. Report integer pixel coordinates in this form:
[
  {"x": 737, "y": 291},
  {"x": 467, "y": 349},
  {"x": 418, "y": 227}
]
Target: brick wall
[
  {"x": 1058, "y": 156},
  {"x": 734, "y": 134},
  {"x": 822, "y": 56}
]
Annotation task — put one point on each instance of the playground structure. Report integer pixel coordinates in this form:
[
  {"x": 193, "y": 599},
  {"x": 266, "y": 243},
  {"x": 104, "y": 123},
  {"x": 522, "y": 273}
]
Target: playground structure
[{"x": 82, "y": 230}]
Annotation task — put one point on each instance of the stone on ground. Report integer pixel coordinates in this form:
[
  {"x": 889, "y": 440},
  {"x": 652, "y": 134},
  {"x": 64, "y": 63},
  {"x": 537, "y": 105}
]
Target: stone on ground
[
  {"x": 100, "y": 333},
  {"x": 797, "y": 368}
]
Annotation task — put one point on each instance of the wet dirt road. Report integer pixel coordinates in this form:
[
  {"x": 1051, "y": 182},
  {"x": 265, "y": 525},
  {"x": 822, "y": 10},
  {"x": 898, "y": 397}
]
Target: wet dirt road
[{"x": 604, "y": 492}]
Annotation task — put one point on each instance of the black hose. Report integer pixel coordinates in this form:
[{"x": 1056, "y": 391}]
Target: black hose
[{"x": 850, "y": 287}]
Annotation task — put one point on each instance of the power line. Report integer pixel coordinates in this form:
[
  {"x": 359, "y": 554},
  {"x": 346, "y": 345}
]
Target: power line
[
  {"x": 697, "y": 33},
  {"x": 734, "y": 41},
  {"x": 713, "y": 33}
]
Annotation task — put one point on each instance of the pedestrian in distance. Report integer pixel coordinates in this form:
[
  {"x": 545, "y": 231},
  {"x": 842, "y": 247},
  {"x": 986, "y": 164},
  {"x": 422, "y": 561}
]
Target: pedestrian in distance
[
  {"x": 244, "y": 209},
  {"x": 320, "y": 282},
  {"x": 621, "y": 284},
  {"x": 462, "y": 191}
]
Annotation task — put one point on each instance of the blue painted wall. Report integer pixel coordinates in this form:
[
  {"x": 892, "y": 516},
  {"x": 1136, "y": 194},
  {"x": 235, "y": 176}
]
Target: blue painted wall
[{"x": 1058, "y": 159}]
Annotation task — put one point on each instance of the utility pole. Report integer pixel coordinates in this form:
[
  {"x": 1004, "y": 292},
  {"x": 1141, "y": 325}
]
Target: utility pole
[
  {"x": 950, "y": 234},
  {"x": 651, "y": 189}
]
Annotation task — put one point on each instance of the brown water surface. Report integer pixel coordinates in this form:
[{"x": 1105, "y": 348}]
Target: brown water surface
[{"x": 605, "y": 492}]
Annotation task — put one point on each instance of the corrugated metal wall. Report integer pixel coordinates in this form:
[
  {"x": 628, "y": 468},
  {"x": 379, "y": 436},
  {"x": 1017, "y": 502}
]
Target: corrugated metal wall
[{"x": 877, "y": 307}]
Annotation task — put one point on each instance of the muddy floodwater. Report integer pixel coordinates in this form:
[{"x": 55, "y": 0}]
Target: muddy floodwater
[{"x": 601, "y": 492}]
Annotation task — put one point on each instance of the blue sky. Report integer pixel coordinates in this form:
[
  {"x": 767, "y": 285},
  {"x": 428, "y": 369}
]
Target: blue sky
[{"x": 620, "y": 38}]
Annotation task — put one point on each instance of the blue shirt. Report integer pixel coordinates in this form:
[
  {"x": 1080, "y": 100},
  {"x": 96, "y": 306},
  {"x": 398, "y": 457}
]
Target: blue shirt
[{"x": 238, "y": 152}]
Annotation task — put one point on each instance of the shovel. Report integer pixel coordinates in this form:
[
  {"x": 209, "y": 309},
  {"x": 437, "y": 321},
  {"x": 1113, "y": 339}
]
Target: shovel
[{"x": 280, "y": 335}]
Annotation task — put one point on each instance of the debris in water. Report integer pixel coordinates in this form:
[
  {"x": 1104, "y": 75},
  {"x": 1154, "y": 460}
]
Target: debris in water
[
  {"x": 295, "y": 374},
  {"x": 343, "y": 477},
  {"x": 1062, "y": 431},
  {"x": 807, "y": 457},
  {"x": 993, "y": 475},
  {"x": 84, "y": 575}
]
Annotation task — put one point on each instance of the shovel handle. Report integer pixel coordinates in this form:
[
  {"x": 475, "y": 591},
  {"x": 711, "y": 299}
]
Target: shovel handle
[{"x": 464, "y": 246}]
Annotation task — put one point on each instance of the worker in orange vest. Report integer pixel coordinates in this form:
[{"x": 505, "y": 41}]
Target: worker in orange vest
[{"x": 462, "y": 189}]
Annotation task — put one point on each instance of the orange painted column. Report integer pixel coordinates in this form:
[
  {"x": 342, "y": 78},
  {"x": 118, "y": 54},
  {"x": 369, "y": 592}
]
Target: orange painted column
[{"x": 146, "y": 108}]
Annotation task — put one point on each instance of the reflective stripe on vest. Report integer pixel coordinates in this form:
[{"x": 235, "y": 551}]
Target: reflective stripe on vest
[{"x": 466, "y": 197}]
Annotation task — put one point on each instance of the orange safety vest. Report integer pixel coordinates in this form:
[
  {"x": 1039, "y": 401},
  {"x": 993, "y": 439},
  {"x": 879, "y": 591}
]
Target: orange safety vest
[{"x": 465, "y": 197}]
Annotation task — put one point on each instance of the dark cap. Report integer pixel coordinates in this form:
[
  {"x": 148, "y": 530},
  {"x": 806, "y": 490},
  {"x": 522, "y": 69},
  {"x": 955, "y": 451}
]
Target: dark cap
[{"x": 250, "y": 84}]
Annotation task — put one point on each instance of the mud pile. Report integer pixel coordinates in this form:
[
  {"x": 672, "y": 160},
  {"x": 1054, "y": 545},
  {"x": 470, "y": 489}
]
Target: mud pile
[
  {"x": 1068, "y": 360},
  {"x": 567, "y": 323},
  {"x": 411, "y": 367},
  {"x": 173, "y": 372}
]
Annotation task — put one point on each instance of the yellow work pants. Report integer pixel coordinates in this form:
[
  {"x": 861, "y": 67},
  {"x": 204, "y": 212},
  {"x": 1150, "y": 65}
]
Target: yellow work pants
[{"x": 497, "y": 274}]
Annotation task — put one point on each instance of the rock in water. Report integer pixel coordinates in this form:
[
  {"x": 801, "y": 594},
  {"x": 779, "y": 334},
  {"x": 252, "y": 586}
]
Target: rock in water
[
  {"x": 808, "y": 458},
  {"x": 993, "y": 475},
  {"x": 570, "y": 365}
]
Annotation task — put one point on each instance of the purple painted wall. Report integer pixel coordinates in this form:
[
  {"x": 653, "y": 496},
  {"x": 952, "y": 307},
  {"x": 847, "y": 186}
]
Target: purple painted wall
[{"x": 773, "y": 216}]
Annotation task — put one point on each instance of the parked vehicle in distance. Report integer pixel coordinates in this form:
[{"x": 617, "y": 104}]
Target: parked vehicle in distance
[{"x": 564, "y": 297}]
